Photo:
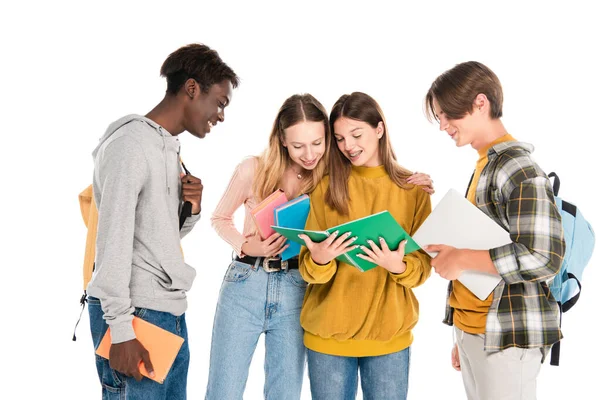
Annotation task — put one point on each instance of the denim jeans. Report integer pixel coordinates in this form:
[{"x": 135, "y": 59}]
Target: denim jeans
[
  {"x": 252, "y": 302},
  {"x": 381, "y": 377},
  {"x": 117, "y": 386}
]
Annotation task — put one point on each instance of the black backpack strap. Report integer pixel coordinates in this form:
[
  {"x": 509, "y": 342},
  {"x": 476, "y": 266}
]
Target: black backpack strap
[
  {"x": 555, "y": 354},
  {"x": 186, "y": 210},
  {"x": 567, "y": 306},
  {"x": 82, "y": 301},
  {"x": 556, "y": 184},
  {"x": 469, "y": 185}
]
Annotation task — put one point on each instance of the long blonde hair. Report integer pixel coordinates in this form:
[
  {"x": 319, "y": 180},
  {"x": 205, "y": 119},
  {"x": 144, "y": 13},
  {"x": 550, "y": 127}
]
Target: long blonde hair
[
  {"x": 361, "y": 107},
  {"x": 275, "y": 159}
]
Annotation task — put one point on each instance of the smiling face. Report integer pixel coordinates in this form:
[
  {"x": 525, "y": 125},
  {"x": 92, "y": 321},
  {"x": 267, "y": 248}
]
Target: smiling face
[
  {"x": 358, "y": 141},
  {"x": 205, "y": 110},
  {"x": 464, "y": 131},
  {"x": 305, "y": 142}
]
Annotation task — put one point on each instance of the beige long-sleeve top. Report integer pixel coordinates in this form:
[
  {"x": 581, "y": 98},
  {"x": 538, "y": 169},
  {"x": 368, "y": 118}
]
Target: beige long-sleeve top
[{"x": 239, "y": 191}]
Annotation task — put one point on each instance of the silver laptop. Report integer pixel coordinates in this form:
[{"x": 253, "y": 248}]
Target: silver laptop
[{"x": 457, "y": 222}]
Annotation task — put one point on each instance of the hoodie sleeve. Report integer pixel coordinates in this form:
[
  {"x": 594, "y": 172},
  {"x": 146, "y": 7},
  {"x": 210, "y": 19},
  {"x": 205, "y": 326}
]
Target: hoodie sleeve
[
  {"x": 189, "y": 224},
  {"x": 121, "y": 170}
]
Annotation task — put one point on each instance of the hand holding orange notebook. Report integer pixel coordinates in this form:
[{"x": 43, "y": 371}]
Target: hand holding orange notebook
[
  {"x": 264, "y": 215},
  {"x": 163, "y": 347}
]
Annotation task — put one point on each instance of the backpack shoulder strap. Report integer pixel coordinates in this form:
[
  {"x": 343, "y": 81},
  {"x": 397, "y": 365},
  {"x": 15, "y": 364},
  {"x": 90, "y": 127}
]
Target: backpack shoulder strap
[
  {"x": 556, "y": 184},
  {"x": 89, "y": 212},
  {"x": 469, "y": 185},
  {"x": 186, "y": 209}
]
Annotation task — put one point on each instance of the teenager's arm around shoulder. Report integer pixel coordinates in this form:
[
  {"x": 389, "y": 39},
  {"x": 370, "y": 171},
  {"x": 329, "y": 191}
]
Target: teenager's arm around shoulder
[
  {"x": 535, "y": 227},
  {"x": 418, "y": 266},
  {"x": 121, "y": 170},
  {"x": 309, "y": 269}
]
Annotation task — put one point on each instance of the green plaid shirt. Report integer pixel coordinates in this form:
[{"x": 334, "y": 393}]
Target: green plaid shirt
[{"x": 517, "y": 194}]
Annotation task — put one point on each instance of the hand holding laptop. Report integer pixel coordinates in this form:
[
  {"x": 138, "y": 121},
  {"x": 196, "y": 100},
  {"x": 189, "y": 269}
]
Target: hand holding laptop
[
  {"x": 461, "y": 228},
  {"x": 447, "y": 262}
]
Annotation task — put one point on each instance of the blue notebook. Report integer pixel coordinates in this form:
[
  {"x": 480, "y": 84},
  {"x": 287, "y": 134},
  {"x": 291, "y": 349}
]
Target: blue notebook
[{"x": 293, "y": 215}]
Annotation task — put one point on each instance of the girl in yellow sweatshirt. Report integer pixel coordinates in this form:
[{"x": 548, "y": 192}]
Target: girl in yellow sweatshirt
[{"x": 357, "y": 320}]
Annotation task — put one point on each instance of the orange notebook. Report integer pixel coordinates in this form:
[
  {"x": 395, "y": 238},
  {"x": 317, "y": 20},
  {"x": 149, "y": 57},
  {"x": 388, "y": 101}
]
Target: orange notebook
[
  {"x": 162, "y": 345},
  {"x": 264, "y": 215}
]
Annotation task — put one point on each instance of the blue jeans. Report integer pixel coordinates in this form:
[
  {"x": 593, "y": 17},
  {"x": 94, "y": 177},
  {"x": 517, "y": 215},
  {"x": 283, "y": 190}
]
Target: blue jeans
[
  {"x": 117, "y": 386},
  {"x": 381, "y": 377},
  {"x": 252, "y": 302}
]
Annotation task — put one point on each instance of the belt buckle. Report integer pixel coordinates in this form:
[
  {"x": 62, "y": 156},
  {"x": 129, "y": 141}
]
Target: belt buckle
[{"x": 267, "y": 268}]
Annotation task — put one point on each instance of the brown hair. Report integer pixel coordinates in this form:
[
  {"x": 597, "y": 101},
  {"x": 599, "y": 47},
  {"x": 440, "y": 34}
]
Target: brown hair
[
  {"x": 275, "y": 159},
  {"x": 361, "y": 107},
  {"x": 456, "y": 89}
]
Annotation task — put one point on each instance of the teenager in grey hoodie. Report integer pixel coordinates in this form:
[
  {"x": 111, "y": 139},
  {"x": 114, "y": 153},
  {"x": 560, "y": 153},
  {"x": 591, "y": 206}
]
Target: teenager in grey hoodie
[{"x": 139, "y": 189}]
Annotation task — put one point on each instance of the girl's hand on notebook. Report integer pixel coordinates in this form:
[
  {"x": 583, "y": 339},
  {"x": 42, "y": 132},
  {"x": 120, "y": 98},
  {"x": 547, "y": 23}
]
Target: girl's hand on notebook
[
  {"x": 422, "y": 179},
  {"x": 392, "y": 260},
  {"x": 270, "y": 247},
  {"x": 322, "y": 253}
]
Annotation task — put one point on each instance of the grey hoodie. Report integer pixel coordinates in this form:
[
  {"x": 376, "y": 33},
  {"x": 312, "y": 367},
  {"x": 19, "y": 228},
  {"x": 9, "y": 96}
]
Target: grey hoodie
[{"x": 137, "y": 189}]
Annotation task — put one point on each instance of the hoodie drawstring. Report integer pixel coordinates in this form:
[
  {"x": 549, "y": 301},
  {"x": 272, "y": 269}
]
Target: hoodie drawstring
[{"x": 165, "y": 158}]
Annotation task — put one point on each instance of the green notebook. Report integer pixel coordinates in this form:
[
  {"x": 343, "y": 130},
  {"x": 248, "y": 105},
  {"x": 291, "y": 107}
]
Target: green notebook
[{"x": 368, "y": 228}]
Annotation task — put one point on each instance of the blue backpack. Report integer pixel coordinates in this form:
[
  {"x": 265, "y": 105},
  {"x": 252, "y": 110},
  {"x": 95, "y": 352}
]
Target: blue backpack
[{"x": 579, "y": 240}]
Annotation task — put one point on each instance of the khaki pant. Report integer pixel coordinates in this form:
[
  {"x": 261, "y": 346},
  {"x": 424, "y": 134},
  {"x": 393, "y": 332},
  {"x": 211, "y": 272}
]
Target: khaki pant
[{"x": 502, "y": 375}]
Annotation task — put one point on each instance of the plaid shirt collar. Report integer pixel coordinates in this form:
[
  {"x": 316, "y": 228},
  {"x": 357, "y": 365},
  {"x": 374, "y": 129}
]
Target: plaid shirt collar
[{"x": 503, "y": 147}]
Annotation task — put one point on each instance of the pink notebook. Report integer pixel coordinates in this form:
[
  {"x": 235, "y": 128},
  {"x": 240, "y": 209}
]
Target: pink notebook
[{"x": 264, "y": 215}]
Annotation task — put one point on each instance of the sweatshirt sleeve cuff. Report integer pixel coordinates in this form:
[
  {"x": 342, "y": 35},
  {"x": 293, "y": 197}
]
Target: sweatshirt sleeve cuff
[
  {"x": 122, "y": 331},
  {"x": 194, "y": 218},
  {"x": 314, "y": 267},
  {"x": 409, "y": 269},
  {"x": 317, "y": 273}
]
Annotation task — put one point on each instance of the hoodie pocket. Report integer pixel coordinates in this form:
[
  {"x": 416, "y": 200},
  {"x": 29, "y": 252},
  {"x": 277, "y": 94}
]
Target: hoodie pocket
[{"x": 178, "y": 279}]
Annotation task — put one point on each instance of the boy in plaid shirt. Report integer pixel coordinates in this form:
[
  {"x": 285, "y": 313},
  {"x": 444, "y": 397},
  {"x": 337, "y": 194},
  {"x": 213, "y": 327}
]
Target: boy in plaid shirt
[{"x": 501, "y": 341}]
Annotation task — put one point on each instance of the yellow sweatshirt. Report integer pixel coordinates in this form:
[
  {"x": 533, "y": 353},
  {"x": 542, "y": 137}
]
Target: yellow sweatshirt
[
  {"x": 470, "y": 313},
  {"x": 351, "y": 313}
]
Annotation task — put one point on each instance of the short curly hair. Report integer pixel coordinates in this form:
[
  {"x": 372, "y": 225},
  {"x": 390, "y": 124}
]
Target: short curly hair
[{"x": 198, "y": 62}]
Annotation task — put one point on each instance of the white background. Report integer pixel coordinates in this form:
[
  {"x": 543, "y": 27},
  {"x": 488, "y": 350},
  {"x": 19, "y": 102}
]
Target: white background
[{"x": 68, "y": 70}]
